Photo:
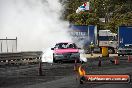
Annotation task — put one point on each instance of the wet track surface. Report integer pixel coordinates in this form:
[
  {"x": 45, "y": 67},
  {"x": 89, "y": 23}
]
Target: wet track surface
[{"x": 61, "y": 75}]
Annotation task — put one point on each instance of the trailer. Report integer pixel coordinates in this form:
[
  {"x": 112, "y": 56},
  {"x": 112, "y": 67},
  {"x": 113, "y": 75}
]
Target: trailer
[
  {"x": 124, "y": 40},
  {"x": 85, "y": 34}
]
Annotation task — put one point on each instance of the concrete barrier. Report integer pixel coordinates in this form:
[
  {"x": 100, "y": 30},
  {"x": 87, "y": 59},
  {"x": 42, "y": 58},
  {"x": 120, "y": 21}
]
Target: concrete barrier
[{"x": 20, "y": 57}]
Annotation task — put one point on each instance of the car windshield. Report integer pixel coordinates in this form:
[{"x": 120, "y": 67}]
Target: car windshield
[{"x": 65, "y": 45}]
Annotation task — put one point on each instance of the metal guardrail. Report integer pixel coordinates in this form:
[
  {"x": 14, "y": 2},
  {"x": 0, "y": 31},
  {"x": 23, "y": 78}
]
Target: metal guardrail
[{"x": 20, "y": 57}]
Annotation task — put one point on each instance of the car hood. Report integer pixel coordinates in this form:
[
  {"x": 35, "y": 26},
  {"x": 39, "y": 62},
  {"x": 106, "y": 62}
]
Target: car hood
[{"x": 61, "y": 51}]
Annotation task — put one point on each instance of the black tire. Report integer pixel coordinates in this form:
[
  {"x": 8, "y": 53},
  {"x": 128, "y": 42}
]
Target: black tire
[
  {"x": 81, "y": 82},
  {"x": 82, "y": 62},
  {"x": 54, "y": 60}
]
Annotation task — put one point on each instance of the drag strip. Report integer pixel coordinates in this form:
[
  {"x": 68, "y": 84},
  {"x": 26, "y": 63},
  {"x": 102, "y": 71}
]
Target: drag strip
[{"x": 58, "y": 75}]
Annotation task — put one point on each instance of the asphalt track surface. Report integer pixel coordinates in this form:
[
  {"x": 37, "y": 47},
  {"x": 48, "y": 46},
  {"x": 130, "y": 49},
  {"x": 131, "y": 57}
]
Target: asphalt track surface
[{"x": 62, "y": 75}]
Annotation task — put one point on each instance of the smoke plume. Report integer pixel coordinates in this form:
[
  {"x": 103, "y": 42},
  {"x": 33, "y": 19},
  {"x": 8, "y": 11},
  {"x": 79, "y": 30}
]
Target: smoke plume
[{"x": 36, "y": 23}]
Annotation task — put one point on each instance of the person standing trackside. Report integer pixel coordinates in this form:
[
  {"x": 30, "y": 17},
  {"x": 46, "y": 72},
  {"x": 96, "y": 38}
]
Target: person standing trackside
[{"x": 91, "y": 48}]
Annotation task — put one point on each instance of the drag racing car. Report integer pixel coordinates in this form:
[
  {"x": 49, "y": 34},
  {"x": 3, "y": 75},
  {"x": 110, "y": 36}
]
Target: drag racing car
[{"x": 65, "y": 51}]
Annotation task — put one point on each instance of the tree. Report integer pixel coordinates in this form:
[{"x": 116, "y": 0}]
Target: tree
[
  {"x": 84, "y": 17},
  {"x": 115, "y": 12},
  {"x": 120, "y": 15}
]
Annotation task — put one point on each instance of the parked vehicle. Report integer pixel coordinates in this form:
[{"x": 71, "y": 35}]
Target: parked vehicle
[
  {"x": 125, "y": 40},
  {"x": 109, "y": 39}
]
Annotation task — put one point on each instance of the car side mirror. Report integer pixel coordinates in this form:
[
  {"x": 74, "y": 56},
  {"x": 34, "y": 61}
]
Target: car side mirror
[{"x": 52, "y": 48}]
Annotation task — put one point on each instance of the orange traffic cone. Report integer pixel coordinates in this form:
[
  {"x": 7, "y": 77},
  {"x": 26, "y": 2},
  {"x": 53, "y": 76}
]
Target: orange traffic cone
[
  {"x": 75, "y": 65},
  {"x": 116, "y": 60},
  {"x": 40, "y": 69},
  {"x": 129, "y": 59},
  {"x": 99, "y": 63}
]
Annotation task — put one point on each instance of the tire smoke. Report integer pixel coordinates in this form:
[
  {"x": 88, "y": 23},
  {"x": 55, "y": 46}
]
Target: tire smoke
[{"x": 36, "y": 23}]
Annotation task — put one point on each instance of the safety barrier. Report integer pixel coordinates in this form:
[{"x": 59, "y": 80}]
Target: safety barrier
[{"x": 20, "y": 57}]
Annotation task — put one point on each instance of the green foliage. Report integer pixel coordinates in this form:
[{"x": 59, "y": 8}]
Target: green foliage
[
  {"x": 83, "y": 18},
  {"x": 116, "y": 12}
]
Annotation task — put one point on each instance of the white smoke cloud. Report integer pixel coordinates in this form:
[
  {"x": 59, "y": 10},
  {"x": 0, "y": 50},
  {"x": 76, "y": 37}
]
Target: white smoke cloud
[{"x": 36, "y": 23}]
